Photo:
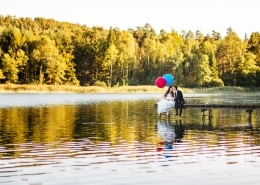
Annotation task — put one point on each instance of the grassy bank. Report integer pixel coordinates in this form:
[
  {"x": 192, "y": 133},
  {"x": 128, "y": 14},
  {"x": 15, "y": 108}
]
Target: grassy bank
[{"x": 13, "y": 88}]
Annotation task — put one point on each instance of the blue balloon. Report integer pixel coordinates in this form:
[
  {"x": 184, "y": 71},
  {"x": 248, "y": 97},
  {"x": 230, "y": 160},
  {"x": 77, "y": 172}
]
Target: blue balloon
[{"x": 169, "y": 79}]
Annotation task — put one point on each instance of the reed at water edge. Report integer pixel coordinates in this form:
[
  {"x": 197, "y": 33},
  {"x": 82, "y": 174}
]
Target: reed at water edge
[{"x": 16, "y": 88}]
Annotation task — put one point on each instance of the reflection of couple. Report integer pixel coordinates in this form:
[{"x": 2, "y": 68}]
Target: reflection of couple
[
  {"x": 170, "y": 133},
  {"x": 172, "y": 98}
]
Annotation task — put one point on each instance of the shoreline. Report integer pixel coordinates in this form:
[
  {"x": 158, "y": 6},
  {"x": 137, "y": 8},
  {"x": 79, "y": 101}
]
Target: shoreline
[{"x": 149, "y": 89}]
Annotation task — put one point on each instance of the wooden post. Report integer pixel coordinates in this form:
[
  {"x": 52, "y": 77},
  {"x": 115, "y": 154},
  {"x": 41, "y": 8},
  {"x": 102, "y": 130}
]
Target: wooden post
[
  {"x": 203, "y": 122},
  {"x": 249, "y": 115},
  {"x": 203, "y": 112},
  {"x": 155, "y": 106},
  {"x": 210, "y": 115},
  {"x": 203, "y": 118}
]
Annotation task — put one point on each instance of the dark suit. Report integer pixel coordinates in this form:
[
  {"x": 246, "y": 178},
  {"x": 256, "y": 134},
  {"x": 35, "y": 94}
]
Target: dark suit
[{"x": 179, "y": 101}]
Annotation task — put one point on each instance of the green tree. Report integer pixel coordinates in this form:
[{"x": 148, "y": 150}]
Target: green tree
[
  {"x": 1, "y": 75},
  {"x": 50, "y": 62},
  {"x": 126, "y": 54},
  {"x": 10, "y": 68},
  {"x": 204, "y": 72},
  {"x": 208, "y": 47},
  {"x": 247, "y": 70},
  {"x": 90, "y": 46},
  {"x": 111, "y": 56},
  {"x": 254, "y": 46},
  {"x": 13, "y": 58},
  {"x": 229, "y": 55}
]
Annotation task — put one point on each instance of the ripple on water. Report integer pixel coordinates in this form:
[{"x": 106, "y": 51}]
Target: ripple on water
[
  {"x": 126, "y": 149},
  {"x": 136, "y": 158}
]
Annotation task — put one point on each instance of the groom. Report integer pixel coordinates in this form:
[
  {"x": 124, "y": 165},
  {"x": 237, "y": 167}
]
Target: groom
[{"x": 179, "y": 101}]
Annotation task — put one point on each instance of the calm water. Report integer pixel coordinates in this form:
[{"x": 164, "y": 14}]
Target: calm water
[{"x": 113, "y": 139}]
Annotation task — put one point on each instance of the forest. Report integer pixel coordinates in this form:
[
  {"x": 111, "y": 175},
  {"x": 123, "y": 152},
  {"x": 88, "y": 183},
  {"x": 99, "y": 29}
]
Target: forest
[{"x": 44, "y": 51}]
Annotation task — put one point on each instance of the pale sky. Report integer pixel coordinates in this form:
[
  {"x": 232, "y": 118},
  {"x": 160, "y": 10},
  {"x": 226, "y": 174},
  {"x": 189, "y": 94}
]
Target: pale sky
[{"x": 204, "y": 15}]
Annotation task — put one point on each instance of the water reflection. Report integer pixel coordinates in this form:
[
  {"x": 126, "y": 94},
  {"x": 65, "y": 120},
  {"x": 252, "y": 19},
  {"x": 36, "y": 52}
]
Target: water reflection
[
  {"x": 170, "y": 133},
  {"x": 123, "y": 141}
]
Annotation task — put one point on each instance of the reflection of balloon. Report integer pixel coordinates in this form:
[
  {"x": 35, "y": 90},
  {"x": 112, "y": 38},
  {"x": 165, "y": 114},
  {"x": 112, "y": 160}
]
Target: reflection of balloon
[
  {"x": 168, "y": 146},
  {"x": 159, "y": 149},
  {"x": 160, "y": 82},
  {"x": 169, "y": 79}
]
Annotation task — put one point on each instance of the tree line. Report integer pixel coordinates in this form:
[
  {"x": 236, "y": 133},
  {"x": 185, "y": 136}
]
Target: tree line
[{"x": 45, "y": 51}]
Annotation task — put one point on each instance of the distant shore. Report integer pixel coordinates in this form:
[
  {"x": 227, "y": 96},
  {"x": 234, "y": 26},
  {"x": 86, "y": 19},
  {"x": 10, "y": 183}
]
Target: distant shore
[{"x": 16, "y": 88}]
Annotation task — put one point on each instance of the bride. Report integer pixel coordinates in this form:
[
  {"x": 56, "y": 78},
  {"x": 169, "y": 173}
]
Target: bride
[{"x": 166, "y": 104}]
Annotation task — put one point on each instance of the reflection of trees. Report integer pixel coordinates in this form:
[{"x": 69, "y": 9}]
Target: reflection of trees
[
  {"x": 42, "y": 124},
  {"x": 115, "y": 120},
  {"x": 14, "y": 128}
]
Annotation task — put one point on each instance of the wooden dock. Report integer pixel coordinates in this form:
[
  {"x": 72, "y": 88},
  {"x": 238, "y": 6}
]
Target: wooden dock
[
  {"x": 222, "y": 106},
  {"x": 209, "y": 107}
]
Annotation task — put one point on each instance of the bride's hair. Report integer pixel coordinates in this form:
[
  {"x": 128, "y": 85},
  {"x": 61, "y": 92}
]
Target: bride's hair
[{"x": 168, "y": 91}]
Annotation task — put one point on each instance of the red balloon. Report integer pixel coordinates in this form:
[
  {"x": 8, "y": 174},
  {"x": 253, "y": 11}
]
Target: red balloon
[{"x": 160, "y": 82}]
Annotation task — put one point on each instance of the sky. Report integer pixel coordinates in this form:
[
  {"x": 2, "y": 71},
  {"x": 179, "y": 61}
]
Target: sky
[{"x": 187, "y": 15}]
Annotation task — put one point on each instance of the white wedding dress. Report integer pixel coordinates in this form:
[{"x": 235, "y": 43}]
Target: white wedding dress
[
  {"x": 165, "y": 105},
  {"x": 166, "y": 131}
]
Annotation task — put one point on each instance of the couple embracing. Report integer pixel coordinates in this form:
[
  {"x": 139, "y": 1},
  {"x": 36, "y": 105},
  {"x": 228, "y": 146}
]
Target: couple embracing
[{"x": 172, "y": 99}]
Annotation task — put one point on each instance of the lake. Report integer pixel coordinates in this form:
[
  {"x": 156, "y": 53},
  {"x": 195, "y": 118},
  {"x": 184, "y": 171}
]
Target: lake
[{"x": 112, "y": 139}]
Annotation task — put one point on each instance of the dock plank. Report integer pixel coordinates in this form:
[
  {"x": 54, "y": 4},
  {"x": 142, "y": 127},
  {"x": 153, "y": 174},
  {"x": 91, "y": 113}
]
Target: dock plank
[{"x": 220, "y": 106}]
